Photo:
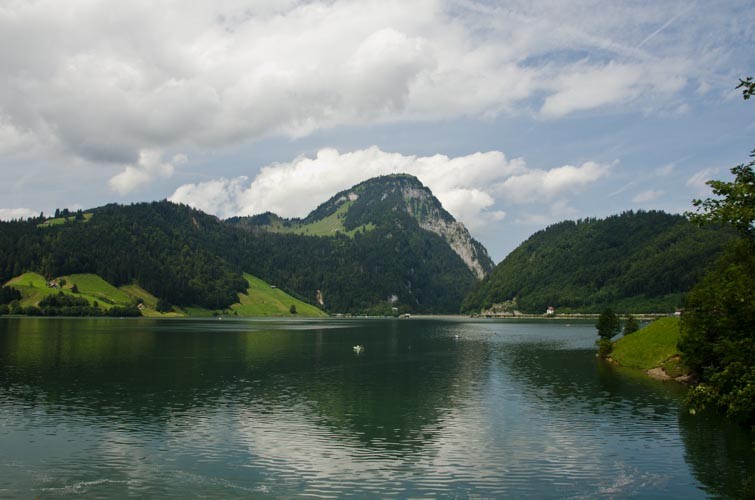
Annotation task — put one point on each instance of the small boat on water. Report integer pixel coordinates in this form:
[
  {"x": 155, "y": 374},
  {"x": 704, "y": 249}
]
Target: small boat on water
[{"x": 358, "y": 348}]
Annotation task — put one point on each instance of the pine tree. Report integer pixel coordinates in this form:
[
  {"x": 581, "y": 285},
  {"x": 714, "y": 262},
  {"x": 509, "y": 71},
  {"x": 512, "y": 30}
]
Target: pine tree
[{"x": 608, "y": 325}]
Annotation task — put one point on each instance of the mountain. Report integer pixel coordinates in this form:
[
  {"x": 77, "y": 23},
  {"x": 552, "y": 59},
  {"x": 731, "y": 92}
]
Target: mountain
[
  {"x": 398, "y": 201},
  {"x": 636, "y": 261},
  {"x": 386, "y": 243}
]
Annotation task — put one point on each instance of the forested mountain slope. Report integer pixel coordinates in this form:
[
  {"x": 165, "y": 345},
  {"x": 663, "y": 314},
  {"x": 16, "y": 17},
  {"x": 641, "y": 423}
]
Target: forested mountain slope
[
  {"x": 386, "y": 242},
  {"x": 636, "y": 261},
  {"x": 380, "y": 256},
  {"x": 398, "y": 202}
]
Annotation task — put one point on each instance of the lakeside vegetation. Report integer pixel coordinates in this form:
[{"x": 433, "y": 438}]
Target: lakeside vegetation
[
  {"x": 652, "y": 347},
  {"x": 718, "y": 325}
]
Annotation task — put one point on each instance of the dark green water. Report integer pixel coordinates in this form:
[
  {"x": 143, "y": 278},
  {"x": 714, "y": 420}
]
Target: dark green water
[{"x": 200, "y": 408}]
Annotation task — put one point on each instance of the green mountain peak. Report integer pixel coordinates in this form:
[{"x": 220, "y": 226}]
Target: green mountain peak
[{"x": 394, "y": 201}]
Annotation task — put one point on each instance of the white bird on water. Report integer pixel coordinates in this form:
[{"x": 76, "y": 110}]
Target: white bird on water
[{"x": 358, "y": 348}]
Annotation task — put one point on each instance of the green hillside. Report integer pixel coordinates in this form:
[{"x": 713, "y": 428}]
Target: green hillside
[
  {"x": 91, "y": 285},
  {"x": 652, "y": 346},
  {"x": 259, "y": 300},
  {"x": 329, "y": 225},
  {"x": 34, "y": 287},
  {"x": 633, "y": 262},
  {"x": 263, "y": 299},
  {"x": 367, "y": 248}
]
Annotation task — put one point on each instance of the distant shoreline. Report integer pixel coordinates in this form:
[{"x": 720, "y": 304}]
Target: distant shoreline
[{"x": 638, "y": 316}]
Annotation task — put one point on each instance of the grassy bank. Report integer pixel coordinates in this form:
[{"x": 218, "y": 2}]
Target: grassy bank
[{"x": 652, "y": 349}]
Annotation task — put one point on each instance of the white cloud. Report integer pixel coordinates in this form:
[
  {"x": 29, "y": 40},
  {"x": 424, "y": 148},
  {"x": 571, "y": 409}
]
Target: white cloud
[
  {"x": 558, "y": 211},
  {"x": 586, "y": 87},
  {"x": 17, "y": 213},
  {"x": 698, "y": 179},
  {"x": 216, "y": 196},
  {"x": 149, "y": 166},
  {"x": 467, "y": 186},
  {"x": 544, "y": 185},
  {"x": 646, "y": 196},
  {"x": 105, "y": 82}
]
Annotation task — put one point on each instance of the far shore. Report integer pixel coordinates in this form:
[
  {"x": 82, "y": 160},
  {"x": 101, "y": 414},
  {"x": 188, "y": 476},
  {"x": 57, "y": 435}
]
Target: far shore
[{"x": 554, "y": 317}]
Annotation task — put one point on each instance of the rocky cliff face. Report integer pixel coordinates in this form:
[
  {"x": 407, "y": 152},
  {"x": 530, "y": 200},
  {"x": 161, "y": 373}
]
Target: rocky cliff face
[
  {"x": 381, "y": 200},
  {"x": 437, "y": 220}
]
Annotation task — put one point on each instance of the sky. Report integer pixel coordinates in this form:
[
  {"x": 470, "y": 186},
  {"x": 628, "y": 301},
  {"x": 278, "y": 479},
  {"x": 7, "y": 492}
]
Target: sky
[{"x": 517, "y": 114}]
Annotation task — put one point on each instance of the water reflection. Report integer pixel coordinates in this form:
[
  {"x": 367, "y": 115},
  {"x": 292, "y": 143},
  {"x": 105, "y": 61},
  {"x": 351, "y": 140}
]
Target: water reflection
[
  {"x": 722, "y": 455},
  {"x": 240, "y": 408}
]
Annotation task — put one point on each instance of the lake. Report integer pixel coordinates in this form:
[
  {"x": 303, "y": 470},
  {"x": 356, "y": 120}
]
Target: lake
[{"x": 279, "y": 408}]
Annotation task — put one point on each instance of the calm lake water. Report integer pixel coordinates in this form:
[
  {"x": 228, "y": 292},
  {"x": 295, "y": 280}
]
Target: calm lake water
[{"x": 262, "y": 408}]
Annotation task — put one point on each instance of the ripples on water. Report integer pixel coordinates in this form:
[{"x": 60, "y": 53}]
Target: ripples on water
[{"x": 272, "y": 408}]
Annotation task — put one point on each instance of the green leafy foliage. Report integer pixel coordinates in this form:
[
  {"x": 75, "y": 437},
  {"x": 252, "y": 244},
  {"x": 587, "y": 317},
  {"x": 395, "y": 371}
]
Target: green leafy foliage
[
  {"x": 631, "y": 325},
  {"x": 736, "y": 203},
  {"x": 163, "y": 306},
  {"x": 718, "y": 326},
  {"x": 608, "y": 324},
  {"x": 8, "y": 294},
  {"x": 718, "y": 335},
  {"x": 63, "y": 300},
  {"x": 635, "y": 261},
  {"x": 748, "y": 87},
  {"x": 605, "y": 347},
  {"x": 63, "y": 304}
]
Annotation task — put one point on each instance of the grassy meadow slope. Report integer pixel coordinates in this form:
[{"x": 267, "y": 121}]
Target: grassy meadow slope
[
  {"x": 33, "y": 288},
  {"x": 260, "y": 298},
  {"x": 652, "y": 347}
]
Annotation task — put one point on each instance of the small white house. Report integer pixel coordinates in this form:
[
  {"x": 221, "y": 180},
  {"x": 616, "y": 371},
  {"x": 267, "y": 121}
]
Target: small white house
[{"x": 550, "y": 311}]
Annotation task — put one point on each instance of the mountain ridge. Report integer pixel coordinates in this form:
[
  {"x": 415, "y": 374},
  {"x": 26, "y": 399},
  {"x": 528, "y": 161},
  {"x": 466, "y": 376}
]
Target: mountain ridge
[
  {"x": 635, "y": 261},
  {"x": 188, "y": 258}
]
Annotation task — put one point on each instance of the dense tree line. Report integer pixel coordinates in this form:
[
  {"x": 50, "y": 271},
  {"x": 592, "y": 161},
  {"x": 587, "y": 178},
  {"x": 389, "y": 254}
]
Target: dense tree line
[
  {"x": 8, "y": 294},
  {"x": 68, "y": 311},
  {"x": 354, "y": 275},
  {"x": 718, "y": 323},
  {"x": 160, "y": 245},
  {"x": 636, "y": 261},
  {"x": 61, "y": 304}
]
